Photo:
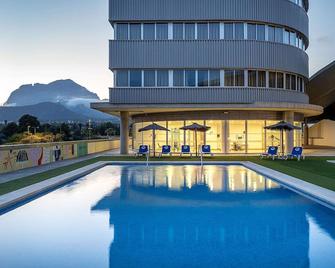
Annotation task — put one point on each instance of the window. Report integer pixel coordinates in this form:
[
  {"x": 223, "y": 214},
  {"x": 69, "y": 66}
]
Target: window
[
  {"x": 162, "y": 31},
  {"x": 279, "y": 35},
  {"x": 214, "y": 31},
  {"x": 122, "y": 79},
  {"x": 229, "y": 78},
  {"x": 286, "y": 37},
  {"x": 293, "y": 82},
  {"x": 252, "y": 78},
  {"x": 178, "y": 31},
  {"x": 261, "y": 79},
  {"x": 189, "y": 31},
  {"x": 272, "y": 79},
  {"x": 135, "y": 78},
  {"x": 203, "y": 78},
  {"x": 135, "y": 31},
  {"x": 228, "y": 31},
  {"x": 178, "y": 78},
  {"x": 293, "y": 38},
  {"x": 261, "y": 32},
  {"x": 239, "y": 78},
  {"x": 122, "y": 31},
  {"x": 149, "y": 31},
  {"x": 214, "y": 78},
  {"x": 163, "y": 78},
  {"x": 251, "y": 31},
  {"x": 239, "y": 31},
  {"x": 149, "y": 78},
  {"x": 280, "y": 80},
  {"x": 202, "y": 31},
  {"x": 288, "y": 81},
  {"x": 190, "y": 78},
  {"x": 271, "y": 33}
]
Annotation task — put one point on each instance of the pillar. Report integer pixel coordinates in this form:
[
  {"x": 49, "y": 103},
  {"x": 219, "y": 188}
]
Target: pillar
[
  {"x": 124, "y": 133},
  {"x": 289, "y": 135}
]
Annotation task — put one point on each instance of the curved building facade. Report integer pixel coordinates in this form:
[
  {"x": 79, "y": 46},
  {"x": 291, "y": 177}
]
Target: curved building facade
[{"x": 233, "y": 65}]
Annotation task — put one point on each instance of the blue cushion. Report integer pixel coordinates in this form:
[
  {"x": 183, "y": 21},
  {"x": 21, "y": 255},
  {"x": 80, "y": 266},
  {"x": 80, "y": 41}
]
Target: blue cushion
[
  {"x": 186, "y": 149},
  {"x": 297, "y": 151},
  {"x": 206, "y": 149},
  {"x": 143, "y": 149},
  {"x": 273, "y": 150},
  {"x": 166, "y": 149}
]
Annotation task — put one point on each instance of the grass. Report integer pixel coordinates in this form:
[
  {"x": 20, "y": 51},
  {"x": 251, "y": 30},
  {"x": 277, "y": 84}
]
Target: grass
[{"x": 315, "y": 170}]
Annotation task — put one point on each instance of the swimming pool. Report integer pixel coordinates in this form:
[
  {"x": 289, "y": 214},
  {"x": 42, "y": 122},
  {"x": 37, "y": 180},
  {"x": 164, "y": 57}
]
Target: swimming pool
[{"x": 169, "y": 216}]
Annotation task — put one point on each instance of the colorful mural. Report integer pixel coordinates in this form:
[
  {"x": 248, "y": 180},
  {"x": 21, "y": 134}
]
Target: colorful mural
[{"x": 23, "y": 156}]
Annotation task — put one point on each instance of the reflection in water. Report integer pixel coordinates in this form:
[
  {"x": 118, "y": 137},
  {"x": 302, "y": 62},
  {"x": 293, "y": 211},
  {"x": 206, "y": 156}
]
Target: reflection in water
[{"x": 183, "y": 216}]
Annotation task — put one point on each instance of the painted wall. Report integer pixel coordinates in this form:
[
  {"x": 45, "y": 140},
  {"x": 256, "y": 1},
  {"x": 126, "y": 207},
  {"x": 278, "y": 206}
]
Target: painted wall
[
  {"x": 24, "y": 156},
  {"x": 323, "y": 133}
]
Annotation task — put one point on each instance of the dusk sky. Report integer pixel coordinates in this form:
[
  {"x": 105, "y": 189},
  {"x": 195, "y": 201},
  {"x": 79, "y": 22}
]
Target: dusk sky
[{"x": 45, "y": 40}]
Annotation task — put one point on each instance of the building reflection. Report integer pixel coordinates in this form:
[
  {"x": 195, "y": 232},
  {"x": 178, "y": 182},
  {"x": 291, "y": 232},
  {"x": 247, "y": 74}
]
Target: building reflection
[{"x": 185, "y": 216}]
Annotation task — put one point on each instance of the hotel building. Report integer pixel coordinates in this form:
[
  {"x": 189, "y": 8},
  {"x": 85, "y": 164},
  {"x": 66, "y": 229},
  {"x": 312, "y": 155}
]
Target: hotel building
[{"x": 233, "y": 65}]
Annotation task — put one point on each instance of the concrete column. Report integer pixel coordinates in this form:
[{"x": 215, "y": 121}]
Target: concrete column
[
  {"x": 124, "y": 133},
  {"x": 289, "y": 135}
]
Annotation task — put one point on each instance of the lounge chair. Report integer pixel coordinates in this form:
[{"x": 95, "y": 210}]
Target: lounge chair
[
  {"x": 206, "y": 150},
  {"x": 142, "y": 150},
  {"x": 296, "y": 153},
  {"x": 271, "y": 153},
  {"x": 185, "y": 149},
  {"x": 166, "y": 150}
]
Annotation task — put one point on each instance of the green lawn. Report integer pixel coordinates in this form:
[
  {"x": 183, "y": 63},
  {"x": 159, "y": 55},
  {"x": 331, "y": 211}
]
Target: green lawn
[{"x": 314, "y": 169}]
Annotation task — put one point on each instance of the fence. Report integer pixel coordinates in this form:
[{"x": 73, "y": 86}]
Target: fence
[{"x": 15, "y": 157}]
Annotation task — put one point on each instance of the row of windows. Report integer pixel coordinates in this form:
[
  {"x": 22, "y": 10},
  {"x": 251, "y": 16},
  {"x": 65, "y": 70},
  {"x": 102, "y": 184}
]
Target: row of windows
[
  {"x": 208, "y": 31},
  {"x": 208, "y": 78},
  {"x": 299, "y": 3}
]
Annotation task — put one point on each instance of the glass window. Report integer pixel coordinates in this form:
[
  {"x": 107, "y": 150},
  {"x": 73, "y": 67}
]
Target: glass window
[
  {"x": 239, "y": 31},
  {"x": 272, "y": 79},
  {"x": 229, "y": 31},
  {"x": 293, "y": 38},
  {"x": 280, "y": 80},
  {"x": 162, "y": 31},
  {"x": 203, "y": 78},
  {"x": 229, "y": 78},
  {"x": 149, "y": 78},
  {"x": 163, "y": 78},
  {"x": 261, "y": 78},
  {"x": 149, "y": 31},
  {"x": 214, "y": 31},
  {"x": 252, "y": 78},
  {"x": 279, "y": 35},
  {"x": 286, "y": 37},
  {"x": 178, "y": 31},
  {"x": 202, "y": 31},
  {"x": 288, "y": 81},
  {"x": 214, "y": 78},
  {"x": 178, "y": 78},
  {"x": 293, "y": 82},
  {"x": 251, "y": 31},
  {"x": 189, "y": 31},
  {"x": 190, "y": 78},
  {"x": 122, "y": 31},
  {"x": 261, "y": 32},
  {"x": 135, "y": 31},
  {"x": 239, "y": 78},
  {"x": 135, "y": 78},
  {"x": 122, "y": 78},
  {"x": 271, "y": 33}
]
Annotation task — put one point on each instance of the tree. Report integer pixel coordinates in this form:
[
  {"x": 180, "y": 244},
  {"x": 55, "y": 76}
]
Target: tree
[
  {"x": 28, "y": 120},
  {"x": 10, "y": 129}
]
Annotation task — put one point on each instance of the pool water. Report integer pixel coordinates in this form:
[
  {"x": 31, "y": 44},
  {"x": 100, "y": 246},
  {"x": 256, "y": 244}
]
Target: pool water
[{"x": 169, "y": 216}]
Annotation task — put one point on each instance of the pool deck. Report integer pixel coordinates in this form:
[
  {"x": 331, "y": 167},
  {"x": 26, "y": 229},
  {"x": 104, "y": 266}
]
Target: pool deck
[{"x": 321, "y": 195}]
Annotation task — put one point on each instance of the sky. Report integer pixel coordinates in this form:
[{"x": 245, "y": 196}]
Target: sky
[{"x": 45, "y": 40}]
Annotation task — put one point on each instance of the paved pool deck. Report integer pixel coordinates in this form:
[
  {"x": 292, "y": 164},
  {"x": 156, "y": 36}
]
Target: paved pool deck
[{"x": 311, "y": 191}]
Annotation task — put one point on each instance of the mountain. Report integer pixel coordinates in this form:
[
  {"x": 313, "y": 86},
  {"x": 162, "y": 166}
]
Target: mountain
[
  {"x": 45, "y": 112},
  {"x": 67, "y": 94},
  {"x": 57, "y": 91}
]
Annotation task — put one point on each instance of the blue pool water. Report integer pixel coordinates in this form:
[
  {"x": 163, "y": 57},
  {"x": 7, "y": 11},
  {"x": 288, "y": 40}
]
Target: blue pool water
[{"x": 169, "y": 216}]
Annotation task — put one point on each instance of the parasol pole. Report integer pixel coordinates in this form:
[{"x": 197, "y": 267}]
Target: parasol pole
[
  {"x": 196, "y": 143},
  {"x": 154, "y": 141}
]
